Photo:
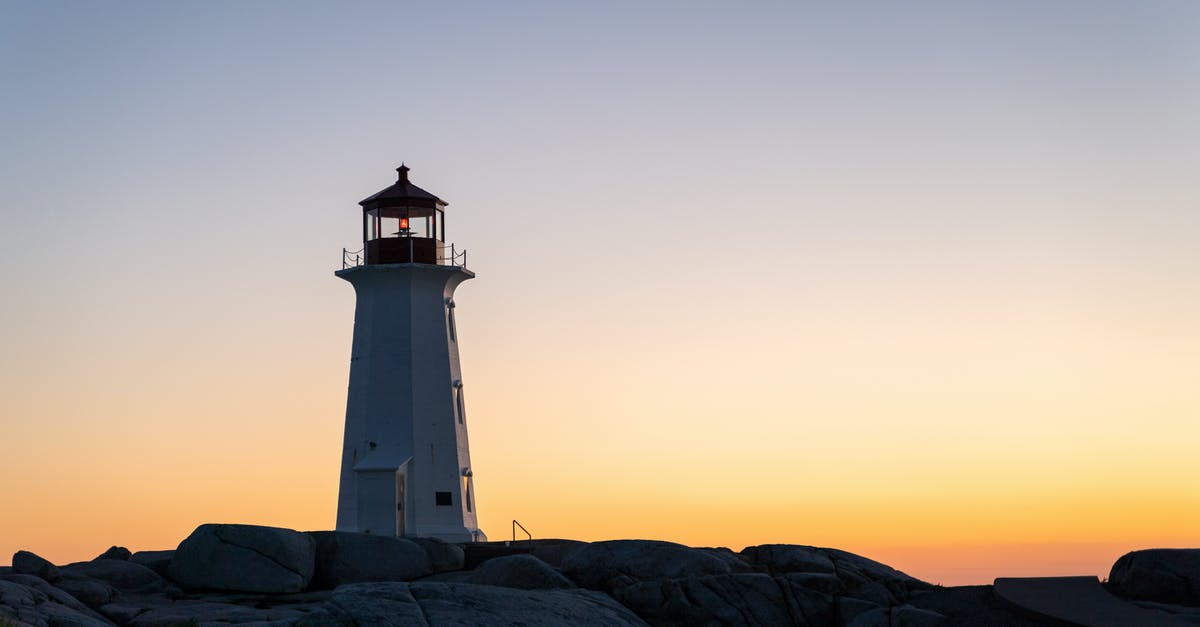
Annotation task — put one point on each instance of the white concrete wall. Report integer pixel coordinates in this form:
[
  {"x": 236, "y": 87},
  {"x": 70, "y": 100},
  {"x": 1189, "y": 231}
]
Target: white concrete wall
[{"x": 402, "y": 397}]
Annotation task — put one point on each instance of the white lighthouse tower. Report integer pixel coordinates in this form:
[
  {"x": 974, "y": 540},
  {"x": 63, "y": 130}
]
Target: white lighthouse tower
[{"x": 406, "y": 468}]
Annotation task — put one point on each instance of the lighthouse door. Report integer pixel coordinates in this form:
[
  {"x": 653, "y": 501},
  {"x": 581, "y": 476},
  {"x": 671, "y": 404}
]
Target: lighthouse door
[{"x": 400, "y": 477}]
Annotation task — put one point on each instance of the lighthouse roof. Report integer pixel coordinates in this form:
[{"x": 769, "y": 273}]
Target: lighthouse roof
[
  {"x": 382, "y": 458},
  {"x": 402, "y": 193}
]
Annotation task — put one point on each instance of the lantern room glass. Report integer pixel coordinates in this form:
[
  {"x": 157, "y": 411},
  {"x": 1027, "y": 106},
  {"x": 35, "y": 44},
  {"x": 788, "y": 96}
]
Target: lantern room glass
[{"x": 389, "y": 222}]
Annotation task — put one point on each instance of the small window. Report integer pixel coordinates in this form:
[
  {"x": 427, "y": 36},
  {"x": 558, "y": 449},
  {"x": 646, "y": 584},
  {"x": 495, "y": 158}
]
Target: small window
[
  {"x": 442, "y": 498},
  {"x": 458, "y": 400}
]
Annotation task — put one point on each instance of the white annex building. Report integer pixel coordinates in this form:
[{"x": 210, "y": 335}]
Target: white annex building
[{"x": 406, "y": 468}]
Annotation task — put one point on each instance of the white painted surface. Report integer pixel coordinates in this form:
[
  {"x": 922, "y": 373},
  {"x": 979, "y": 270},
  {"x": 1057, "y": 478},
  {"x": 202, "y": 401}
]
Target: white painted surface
[{"x": 402, "y": 406}]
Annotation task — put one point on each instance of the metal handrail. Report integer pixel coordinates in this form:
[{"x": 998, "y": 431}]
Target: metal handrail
[
  {"x": 514, "y": 530},
  {"x": 355, "y": 258}
]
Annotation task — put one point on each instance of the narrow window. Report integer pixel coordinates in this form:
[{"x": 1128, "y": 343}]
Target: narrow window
[
  {"x": 442, "y": 498},
  {"x": 450, "y": 321},
  {"x": 467, "y": 491},
  {"x": 458, "y": 400}
]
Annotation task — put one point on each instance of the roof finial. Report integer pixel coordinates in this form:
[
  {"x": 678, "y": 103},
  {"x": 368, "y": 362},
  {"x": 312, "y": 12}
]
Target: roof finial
[{"x": 403, "y": 171}]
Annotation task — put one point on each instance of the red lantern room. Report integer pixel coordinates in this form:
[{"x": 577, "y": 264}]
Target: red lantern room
[{"x": 404, "y": 224}]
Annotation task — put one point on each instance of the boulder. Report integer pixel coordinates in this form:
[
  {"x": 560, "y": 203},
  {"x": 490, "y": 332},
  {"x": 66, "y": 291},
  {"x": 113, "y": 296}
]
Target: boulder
[
  {"x": 554, "y": 551},
  {"x": 157, "y": 561},
  {"x": 443, "y": 556},
  {"x": 730, "y": 599},
  {"x": 821, "y": 582},
  {"x": 29, "y": 606},
  {"x": 244, "y": 558},
  {"x": 52, "y": 592},
  {"x": 395, "y": 603},
  {"x": 859, "y": 576},
  {"x": 467, "y": 604},
  {"x": 343, "y": 557},
  {"x": 90, "y": 592},
  {"x": 519, "y": 571},
  {"x": 376, "y": 604},
  {"x": 115, "y": 553},
  {"x": 201, "y": 612},
  {"x": 27, "y": 563},
  {"x": 1160, "y": 575},
  {"x": 122, "y": 575},
  {"x": 899, "y": 616},
  {"x": 789, "y": 558},
  {"x": 616, "y": 563}
]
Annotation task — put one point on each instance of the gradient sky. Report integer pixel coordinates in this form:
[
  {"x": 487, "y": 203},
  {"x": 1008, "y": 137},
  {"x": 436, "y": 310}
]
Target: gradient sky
[{"x": 916, "y": 280}]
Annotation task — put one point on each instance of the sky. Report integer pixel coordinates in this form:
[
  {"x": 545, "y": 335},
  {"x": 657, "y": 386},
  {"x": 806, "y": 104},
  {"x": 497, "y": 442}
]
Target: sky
[{"x": 914, "y": 280}]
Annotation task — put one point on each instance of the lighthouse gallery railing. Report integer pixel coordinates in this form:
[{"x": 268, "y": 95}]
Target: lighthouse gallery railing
[{"x": 457, "y": 258}]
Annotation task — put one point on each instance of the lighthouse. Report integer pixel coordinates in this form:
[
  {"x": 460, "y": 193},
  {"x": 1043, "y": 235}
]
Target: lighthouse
[{"x": 406, "y": 466}]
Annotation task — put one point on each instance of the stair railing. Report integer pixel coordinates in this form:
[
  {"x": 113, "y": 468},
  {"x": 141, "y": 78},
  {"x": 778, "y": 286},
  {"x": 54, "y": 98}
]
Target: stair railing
[{"x": 514, "y": 535}]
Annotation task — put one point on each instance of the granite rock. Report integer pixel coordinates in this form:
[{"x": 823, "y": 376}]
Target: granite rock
[
  {"x": 90, "y": 592},
  {"x": 443, "y": 556},
  {"x": 28, "y": 563},
  {"x": 519, "y": 571},
  {"x": 1159, "y": 575},
  {"x": 29, "y": 606},
  {"x": 157, "y": 561},
  {"x": 396, "y": 603},
  {"x": 115, "y": 553},
  {"x": 614, "y": 564},
  {"x": 122, "y": 575},
  {"x": 344, "y": 557},
  {"x": 245, "y": 558}
]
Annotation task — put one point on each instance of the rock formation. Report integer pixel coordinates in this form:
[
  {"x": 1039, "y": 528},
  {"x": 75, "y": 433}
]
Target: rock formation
[{"x": 232, "y": 574}]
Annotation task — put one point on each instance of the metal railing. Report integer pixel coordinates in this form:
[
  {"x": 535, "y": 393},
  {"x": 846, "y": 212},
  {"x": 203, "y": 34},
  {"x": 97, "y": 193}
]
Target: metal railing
[
  {"x": 452, "y": 260},
  {"x": 353, "y": 258},
  {"x": 447, "y": 255},
  {"x": 514, "y": 530}
]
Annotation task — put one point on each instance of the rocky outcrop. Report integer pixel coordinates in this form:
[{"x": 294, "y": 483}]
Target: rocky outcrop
[
  {"x": 835, "y": 571},
  {"x": 27, "y": 563},
  {"x": 262, "y": 575},
  {"x": 157, "y": 561},
  {"x": 617, "y": 563},
  {"x": 343, "y": 557},
  {"x": 670, "y": 584},
  {"x": 244, "y": 558},
  {"x": 32, "y": 606},
  {"x": 554, "y": 551},
  {"x": 115, "y": 553},
  {"x": 468, "y": 604},
  {"x": 1159, "y": 575},
  {"x": 726, "y": 599},
  {"x": 900, "y": 616},
  {"x": 53, "y": 593},
  {"x": 91, "y": 592},
  {"x": 443, "y": 556},
  {"x": 124, "y": 576},
  {"x": 519, "y": 571}
]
